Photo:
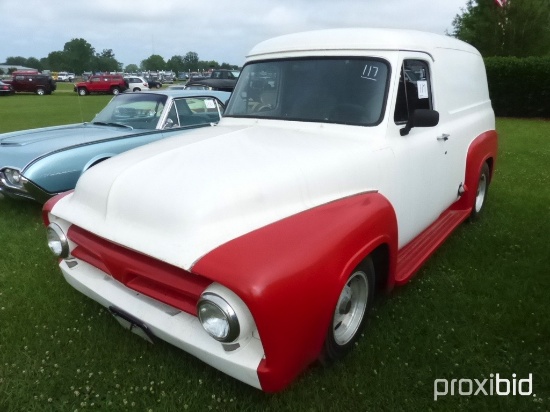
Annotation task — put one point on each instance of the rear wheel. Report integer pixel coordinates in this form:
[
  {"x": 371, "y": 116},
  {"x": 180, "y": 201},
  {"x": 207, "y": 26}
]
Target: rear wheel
[
  {"x": 115, "y": 90},
  {"x": 40, "y": 91},
  {"x": 350, "y": 313},
  {"x": 82, "y": 91},
  {"x": 481, "y": 191}
]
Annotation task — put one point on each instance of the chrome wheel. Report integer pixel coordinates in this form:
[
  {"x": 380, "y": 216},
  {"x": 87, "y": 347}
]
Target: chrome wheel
[
  {"x": 481, "y": 191},
  {"x": 350, "y": 313},
  {"x": 351, "y": 308}
]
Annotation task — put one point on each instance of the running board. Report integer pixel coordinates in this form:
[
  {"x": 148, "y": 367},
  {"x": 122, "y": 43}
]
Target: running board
[{"x": 416, "y": 252}]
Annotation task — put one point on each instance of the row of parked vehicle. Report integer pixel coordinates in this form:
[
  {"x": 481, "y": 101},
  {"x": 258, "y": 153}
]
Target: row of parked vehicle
[
  {"x": 258, "y": 245},
  {"x": 32, "y": 81}
]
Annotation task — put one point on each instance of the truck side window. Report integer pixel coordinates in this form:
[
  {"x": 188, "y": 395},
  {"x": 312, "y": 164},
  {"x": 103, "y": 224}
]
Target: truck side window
[{"x": 414, "y": 90}]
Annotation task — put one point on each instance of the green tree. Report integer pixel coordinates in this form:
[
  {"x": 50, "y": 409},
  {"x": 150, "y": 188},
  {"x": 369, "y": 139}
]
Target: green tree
[
  {"x": 191, "y": 61},
  {"x": 153, "y": 62},
  {"x": 106, "y": 62},
  {"x": 228, "y": 66},
  {"x": 56, "y": 61},
  {"x": 78, "y": 56},
  {"x": 34, "y": 63},
  {"x": 131, "y": 68},
  {"x": 207, "y": 65},
  {"x": 521, "y": 28},
  {"x": 176, "y": 64},
  {"x": 16, "y": 61},
  {"x": 44, "y": 63}
]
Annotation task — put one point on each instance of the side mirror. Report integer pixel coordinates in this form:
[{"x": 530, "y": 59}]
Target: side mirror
[{"x": 421, "y": 118}]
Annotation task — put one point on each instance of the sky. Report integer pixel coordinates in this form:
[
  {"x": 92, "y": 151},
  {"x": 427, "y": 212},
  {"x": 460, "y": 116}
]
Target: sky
[{"x": 223, "y": 31}]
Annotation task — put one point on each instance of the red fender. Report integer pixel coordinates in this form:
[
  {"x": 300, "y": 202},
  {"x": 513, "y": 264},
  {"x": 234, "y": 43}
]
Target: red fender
[
  {"x": 290, "y": 274},
  {"x": 48, "y": 206},
  {"x": 483, "y": 148}
]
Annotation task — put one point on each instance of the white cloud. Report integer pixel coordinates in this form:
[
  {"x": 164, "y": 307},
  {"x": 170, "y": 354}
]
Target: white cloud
[{"x": 222, "y": 31}]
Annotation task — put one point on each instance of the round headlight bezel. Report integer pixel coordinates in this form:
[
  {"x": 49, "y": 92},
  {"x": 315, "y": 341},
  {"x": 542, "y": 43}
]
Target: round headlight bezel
[
  {"x": 57, "y": 241},
  {"x": 226, "y": 312}
]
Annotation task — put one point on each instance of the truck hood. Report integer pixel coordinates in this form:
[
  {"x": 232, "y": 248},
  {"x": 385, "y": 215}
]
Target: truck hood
[
  {"x": 177, "y": 199},
  {"x": 17, "y": 149}
]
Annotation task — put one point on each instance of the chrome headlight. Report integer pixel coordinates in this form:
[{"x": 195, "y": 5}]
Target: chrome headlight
[
  {"x": 57, "y": 241},
  {"x": 13, "y": 177},
  {"x": 218, "y": 318}
]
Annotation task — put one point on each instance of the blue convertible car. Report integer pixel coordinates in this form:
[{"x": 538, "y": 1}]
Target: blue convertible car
[{"x": 39, "y": 163}]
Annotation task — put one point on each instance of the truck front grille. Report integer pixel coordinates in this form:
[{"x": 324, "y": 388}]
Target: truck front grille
[{"x": 144, "y": 274}]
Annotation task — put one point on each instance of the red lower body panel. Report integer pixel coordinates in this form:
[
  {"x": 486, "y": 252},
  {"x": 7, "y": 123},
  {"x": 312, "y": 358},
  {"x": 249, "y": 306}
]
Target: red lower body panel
[{"x": 415, "y": 253}]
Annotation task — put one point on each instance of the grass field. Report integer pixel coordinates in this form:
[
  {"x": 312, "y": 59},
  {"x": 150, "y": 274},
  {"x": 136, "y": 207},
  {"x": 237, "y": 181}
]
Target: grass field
[{"x": 479, "y": 307}]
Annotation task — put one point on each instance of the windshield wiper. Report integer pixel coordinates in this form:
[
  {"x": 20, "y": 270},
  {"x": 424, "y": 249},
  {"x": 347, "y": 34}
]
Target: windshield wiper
[{"x": 113, "y": 124}]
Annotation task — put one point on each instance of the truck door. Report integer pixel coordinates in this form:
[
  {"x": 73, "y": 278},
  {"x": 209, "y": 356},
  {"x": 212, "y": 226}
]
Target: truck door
[{"x": 421, "y": 190}]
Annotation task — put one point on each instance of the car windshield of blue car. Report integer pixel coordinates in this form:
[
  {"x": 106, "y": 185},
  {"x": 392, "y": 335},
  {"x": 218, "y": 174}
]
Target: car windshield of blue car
[
  {"x": 136, "y": 110},
  {"x": 330, "y": 90}
]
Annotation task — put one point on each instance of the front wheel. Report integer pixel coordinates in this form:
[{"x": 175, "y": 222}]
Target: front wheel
[
  {"x": 350, "y": 313},
  {"x": 481, "y": 191},
  {"x": 40, "y": 91},
  {"x": 82, "y": 91}
]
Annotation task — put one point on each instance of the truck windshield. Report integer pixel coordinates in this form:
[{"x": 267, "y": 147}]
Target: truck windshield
[{"x": 329, "y": 90}]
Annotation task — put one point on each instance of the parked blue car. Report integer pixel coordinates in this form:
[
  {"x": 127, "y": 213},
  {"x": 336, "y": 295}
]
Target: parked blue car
[{"x": 40, "y": 163}]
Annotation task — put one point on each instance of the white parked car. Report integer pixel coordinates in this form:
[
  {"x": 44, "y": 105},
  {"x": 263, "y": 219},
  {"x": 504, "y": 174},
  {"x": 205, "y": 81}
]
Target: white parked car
[
  {"x": 136, "y": 84},
  {"x": 257, "y": 245},
  {"x": 65, "y": 77}
]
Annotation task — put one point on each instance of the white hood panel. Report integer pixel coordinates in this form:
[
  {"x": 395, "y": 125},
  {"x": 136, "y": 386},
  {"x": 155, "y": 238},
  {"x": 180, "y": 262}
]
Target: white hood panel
[{"x": 179, "y": 198}]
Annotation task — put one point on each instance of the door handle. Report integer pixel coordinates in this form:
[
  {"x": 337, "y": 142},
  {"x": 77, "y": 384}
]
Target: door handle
[{"x": 444, "y": 137}]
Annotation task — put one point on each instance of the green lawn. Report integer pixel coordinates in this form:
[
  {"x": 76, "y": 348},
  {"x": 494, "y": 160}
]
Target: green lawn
[{"x": 480, "y": 306}]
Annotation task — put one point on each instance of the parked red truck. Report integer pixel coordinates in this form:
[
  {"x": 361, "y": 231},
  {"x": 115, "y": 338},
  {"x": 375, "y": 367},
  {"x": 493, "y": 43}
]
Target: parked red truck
[
  {"x": 32, "y": 81},
  {"x": 101, "y": 83}
]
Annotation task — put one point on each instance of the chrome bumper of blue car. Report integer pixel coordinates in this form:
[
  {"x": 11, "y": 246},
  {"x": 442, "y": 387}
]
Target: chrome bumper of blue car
[{"x": 28, "y": 190}]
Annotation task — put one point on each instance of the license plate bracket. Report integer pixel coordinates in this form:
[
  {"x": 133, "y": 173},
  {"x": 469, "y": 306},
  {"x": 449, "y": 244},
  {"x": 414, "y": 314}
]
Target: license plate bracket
[{"x": 132, "y": 323}]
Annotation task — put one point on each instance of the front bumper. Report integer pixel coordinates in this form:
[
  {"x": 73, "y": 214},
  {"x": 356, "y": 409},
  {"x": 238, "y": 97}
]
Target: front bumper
[
  {"x": 29, "y": 190},
  {"x": 166, "y": 322}
]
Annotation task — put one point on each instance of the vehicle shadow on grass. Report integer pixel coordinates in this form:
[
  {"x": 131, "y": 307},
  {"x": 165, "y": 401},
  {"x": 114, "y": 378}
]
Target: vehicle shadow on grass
[{"x": 11, "y": 208}]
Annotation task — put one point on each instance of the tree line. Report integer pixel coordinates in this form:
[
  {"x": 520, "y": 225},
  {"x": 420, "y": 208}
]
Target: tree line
[
  {"x": 517, "y": 28},
  {"x": 78, "y": 56}
]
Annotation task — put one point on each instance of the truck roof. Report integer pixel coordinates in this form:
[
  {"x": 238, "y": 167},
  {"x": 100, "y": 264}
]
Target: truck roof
[{"x": 357, "y": 39}]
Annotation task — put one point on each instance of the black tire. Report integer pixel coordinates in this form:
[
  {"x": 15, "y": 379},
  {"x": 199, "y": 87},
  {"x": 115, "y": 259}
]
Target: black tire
[
  {"x": 137, "y": 89},
  {"x": 82, "y": 91},
  {"x": 350, "y": 313},
  {"x": 481, "y": 192},
  {"x": 115, "y": 91},
  {"x": 40, "y": 91}
]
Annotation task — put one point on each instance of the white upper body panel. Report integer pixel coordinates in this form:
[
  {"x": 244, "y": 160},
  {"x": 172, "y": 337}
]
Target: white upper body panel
[
  {"x": 180, "y": 198},
  {"x": 177, "y": 199},
  {"x": 360, "y": 40}
]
